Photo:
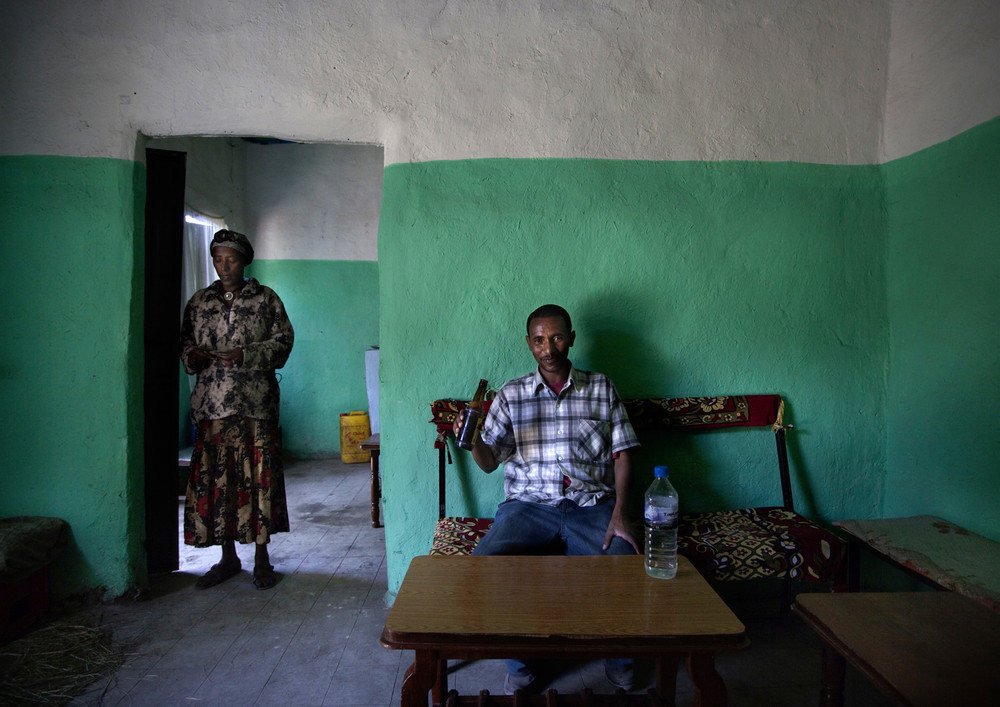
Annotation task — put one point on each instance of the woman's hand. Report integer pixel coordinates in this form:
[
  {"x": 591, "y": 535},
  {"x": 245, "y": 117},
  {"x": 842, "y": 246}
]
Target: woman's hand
[
  {"x": 231, "y": 358},
  {"x": 199, "y": 359}
]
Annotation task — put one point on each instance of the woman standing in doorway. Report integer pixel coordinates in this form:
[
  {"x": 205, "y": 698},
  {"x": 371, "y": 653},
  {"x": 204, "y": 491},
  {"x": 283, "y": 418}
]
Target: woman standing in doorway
[{"x": 235, "y": 334}]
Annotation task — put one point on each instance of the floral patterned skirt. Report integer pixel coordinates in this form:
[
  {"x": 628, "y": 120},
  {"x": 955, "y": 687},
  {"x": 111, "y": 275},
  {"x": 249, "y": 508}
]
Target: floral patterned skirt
[{"x": 236, "y": 485}]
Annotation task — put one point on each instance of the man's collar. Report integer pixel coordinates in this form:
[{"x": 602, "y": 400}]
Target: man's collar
[{"x": 575, "y": 379}]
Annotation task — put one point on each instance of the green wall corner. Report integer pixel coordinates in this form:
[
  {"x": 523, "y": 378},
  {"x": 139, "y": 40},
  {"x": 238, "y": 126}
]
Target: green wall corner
[
  {"x": 71, "y": 360},
  {"x": 944, "y": 372}
]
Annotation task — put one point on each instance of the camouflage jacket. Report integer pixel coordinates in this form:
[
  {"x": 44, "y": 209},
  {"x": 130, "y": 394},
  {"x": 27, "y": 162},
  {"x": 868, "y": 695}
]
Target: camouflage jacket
[{"x": 256, "y": 323}]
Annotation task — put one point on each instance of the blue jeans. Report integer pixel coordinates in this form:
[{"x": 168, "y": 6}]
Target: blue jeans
[{"x": 523, "y": 528}]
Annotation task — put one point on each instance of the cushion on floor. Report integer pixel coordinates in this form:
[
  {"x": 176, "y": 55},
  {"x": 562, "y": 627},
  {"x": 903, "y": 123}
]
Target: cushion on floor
[{"x": 28, "y": 545}]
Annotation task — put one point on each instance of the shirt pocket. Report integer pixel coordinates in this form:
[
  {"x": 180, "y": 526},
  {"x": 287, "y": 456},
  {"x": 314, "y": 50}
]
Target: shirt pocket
[{"x": 593, "y": 440}]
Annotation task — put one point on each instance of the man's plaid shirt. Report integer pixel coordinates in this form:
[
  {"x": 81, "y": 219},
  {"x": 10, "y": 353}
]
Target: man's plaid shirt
[{"x": 541, "y": 438}]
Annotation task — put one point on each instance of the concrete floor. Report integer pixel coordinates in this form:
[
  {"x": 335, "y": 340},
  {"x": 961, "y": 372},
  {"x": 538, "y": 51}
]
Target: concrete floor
[{"x": 313, "y": 639}]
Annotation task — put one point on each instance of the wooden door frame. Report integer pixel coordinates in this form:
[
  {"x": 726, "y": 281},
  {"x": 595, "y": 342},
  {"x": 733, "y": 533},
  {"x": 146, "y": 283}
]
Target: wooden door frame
[{"x": 165, "y": 178}]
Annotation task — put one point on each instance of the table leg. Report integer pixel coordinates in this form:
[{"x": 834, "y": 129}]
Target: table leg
[
  {"x": 666, "y": 678},
  {"x": 853, "y": 565},
  {"x": 420, "y": 678},
  {"x": 440, "y": 690},
  {"x": 376, "y": 490},
  {"x": 709, "y": 689},
  {"x": 834, "y": 667}
]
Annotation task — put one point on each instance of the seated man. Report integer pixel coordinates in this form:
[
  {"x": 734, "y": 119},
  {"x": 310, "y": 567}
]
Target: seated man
[{"x": 563, "y": 437}]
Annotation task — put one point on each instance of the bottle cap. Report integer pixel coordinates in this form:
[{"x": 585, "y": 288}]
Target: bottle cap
[{"x": 661, "y": 472}]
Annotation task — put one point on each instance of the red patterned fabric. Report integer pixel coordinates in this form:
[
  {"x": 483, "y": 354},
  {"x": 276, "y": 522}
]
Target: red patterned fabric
[
  {"x": 657, "y": 413},
  {"x": 457, "y": 536},
  {"x": 757, "y": 543},
  {"x": 704, "y": 412},
  {"x": 752, "y": 543}
]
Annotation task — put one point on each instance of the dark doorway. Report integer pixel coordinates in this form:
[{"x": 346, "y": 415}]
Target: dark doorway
[{"x": 165, "y": 175}]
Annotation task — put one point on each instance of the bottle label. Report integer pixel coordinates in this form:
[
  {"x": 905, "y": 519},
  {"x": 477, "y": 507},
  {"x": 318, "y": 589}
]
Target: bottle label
[{"x": 658, "y": 515}]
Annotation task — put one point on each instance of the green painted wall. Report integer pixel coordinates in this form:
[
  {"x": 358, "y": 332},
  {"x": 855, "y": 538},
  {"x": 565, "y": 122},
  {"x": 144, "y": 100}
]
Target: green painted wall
[
  {"x": 683, "y": 279},
  {"x": 333, "y": 306},
  {"x": 944, "y": 255},
  {"x": 864, "y": 295},
  {"x": 71, "y": 359}
]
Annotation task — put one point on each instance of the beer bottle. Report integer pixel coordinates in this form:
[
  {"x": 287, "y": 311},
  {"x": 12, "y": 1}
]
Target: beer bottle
[{"x": 473, "y": 417}]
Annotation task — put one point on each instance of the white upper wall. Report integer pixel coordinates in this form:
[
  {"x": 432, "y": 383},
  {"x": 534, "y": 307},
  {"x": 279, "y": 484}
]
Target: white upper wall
[
  {"x": 801, "y": 80},
  {"x": 944, "y": 71},
  {"x": 314, "y": 202},
  {"x": 676, "y": 79},
  {"x": 214, "y": 176}
]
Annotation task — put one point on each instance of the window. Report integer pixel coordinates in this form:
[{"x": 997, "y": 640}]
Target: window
[{"x": 196, "y": 265}]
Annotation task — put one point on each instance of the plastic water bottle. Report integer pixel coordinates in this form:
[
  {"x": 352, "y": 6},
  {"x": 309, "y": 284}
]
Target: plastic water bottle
[{"x": 661, "y": 526}]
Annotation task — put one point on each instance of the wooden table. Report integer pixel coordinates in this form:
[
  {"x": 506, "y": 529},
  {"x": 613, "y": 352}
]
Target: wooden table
[
  {"x": 371, "y": 444},
  {"x": 472, "y": 607},
  {"x": 918, "y": 648}
]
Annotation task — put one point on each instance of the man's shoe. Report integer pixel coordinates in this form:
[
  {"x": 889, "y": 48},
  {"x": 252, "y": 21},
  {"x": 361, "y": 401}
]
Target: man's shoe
[
  {"x": 513, "y": 683},
  {"x": 621, "y": 679}
]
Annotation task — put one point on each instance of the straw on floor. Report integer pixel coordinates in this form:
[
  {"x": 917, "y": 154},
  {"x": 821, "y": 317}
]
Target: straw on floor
[{"x": 52, "y": 664}]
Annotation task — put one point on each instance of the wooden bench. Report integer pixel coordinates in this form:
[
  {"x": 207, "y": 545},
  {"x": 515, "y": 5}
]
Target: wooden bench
[
  {"x": 772, "y": 542},
  {"x": 917, "y": 648},
  {"x": 940, "y": 553}
]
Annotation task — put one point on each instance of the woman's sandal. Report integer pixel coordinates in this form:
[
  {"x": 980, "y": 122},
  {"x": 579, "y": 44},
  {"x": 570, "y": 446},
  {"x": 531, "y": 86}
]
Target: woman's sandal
[
  {"x": 217, "y": 575},
  {"x": 264, "y": 577}
]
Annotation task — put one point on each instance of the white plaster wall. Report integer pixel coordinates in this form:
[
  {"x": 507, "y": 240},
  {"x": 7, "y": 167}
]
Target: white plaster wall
[
  {"x": 804, "y": 80},
  {"x": 295, "y": 201},
  {"x": 672, "y": 79},
  {"x": 944, "y": 71},
  {"x": 314, "y": 202},
  {"x": 214, "y": 175}
]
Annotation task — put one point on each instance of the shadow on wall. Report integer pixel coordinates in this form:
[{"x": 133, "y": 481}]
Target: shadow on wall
[
  {"x": 610, "y": 340},
  {"x": 724, "y": 469},
  {"x": 803, "y": 494},
  {"x": 609, "y": 330}
]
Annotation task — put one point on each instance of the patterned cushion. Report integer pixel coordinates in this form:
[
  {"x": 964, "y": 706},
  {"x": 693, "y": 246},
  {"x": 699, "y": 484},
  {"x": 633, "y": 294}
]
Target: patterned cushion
[
  {"x": 457, "y": 536},
  {"x": 756, "y": 543},
  {"x": 752, "y": 543}
]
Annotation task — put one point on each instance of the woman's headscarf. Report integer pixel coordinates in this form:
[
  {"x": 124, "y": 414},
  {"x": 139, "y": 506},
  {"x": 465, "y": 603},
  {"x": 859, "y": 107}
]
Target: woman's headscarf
[{"x": 234, "y": 240}]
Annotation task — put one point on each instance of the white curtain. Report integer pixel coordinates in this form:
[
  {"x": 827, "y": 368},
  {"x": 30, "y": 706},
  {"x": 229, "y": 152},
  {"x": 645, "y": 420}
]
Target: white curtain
[
  {"x": 196, "y": 266},
  {"x": 196, "y": 259}
]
